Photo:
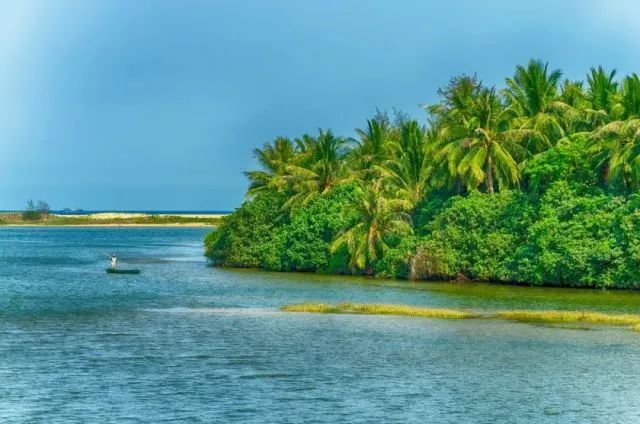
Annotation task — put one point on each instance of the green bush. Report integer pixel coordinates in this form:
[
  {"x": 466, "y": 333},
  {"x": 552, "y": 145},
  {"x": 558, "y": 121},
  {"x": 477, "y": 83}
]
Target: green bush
[
  {"x": 396, "y": 262},
  {"x": 302, "y": 244},
  {"x": 260, "y": 234},
  {"x": 34, "y": 211},
  {"x": 475, "y": 236},
  {"x": 573, "y": 242},
  {"x": 243, "y": 237},
  {"x": 627, "y": 231},
  {"x": 568, "y": 161}
]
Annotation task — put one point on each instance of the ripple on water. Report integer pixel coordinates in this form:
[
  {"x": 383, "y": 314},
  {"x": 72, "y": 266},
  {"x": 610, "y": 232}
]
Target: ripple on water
[
  {"x": 182, "y": 342},
  {"x": 216, "y": 311}
]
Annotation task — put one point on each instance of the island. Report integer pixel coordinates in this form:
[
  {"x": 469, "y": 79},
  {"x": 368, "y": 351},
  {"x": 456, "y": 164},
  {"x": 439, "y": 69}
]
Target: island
[{"x": 535, "y": 182}]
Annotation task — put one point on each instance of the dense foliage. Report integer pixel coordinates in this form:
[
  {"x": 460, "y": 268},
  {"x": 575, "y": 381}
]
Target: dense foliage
[{"x": 535, "y": 183}]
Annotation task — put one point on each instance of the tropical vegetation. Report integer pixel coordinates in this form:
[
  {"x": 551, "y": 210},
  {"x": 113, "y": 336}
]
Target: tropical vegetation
[{"x": 536, "y": 182}]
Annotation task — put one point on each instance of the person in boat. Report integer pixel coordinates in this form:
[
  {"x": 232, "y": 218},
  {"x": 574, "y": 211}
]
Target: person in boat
[{"x": 114, "y": 262}]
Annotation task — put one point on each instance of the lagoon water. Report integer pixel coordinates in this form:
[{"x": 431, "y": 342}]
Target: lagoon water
[{"x": 183, "y": 342}]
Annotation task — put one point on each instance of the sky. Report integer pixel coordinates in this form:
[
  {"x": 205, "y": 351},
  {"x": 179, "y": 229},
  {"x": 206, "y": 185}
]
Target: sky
[{"x": 158, "y": 104}]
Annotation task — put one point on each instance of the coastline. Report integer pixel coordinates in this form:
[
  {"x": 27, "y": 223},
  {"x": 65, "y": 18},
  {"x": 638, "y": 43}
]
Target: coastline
[
  {"x": 465, "y": 284},
  {"x": 130, "y": 215},
  {"x": 132, "y": 225},
  {"x": 113, "y": 219}
]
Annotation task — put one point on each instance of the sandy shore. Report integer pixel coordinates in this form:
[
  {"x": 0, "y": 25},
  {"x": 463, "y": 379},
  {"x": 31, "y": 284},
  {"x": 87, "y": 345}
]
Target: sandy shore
[
  {"x": 173, "y": 224},
  {"x": 114, "y": 219},
  {"x": 125, "y": 215}
]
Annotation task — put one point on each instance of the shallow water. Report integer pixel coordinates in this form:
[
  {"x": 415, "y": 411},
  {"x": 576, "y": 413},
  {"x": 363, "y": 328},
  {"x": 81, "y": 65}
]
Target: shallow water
[{"x": 183, "y": 342}]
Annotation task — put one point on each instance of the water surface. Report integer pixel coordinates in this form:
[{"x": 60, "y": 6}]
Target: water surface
[{"x": 183, "y": 342}]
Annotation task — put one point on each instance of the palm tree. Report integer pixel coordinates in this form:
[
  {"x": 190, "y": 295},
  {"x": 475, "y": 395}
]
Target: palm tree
[
  {"x": 573, "y": 95},
  {"x": 617, "y": 148},
  {"x": 481, "y": 150},
  {"x": 630, "y": 96},
  {"x": 318, "y": 167},
  {"x": 381, "y": 218},
  {"x": 408, "y": 171},
  {"x": 602, "y": 96},
  {"x": 371, "y": 150},
  {"x": 532, "y": 99},
  {"x": 455, "y": 109},
  {"x": 602, "y": 88},
  {"x": 274, "y": 158},
  {"x": 457, "y": 100}
]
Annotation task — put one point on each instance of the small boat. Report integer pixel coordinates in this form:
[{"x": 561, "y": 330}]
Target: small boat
[{"x": 122, "y": 271}]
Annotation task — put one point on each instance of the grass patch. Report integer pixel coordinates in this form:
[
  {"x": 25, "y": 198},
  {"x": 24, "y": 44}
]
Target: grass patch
[
  {"x": 379, "y": 309},
  {"x": 320, "y": 308},
  {"x": 571, "y": 316},
  {"x": 540, "y": 317}
]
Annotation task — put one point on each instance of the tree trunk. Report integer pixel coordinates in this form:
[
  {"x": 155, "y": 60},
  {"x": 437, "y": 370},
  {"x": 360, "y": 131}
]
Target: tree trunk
[
  {"x": 489, "y": 176},
  {"x": 605, "y": 172}
]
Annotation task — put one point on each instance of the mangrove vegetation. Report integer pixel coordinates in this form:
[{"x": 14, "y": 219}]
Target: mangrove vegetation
[{"x": 534, "y": 182}]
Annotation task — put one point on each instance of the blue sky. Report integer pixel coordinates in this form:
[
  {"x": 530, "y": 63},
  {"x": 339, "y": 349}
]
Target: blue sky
[{"x": 158, "y": 104}]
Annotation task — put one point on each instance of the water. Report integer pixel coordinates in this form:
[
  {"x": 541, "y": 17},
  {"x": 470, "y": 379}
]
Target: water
[{"x": 182, "y": 342}]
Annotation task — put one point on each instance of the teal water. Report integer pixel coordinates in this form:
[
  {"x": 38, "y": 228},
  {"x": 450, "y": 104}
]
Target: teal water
[{"x": 183, "y": 342}]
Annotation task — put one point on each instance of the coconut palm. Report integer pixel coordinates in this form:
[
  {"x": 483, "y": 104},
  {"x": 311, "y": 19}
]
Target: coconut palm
[
  {"x": 617, "y": 148},
  {"x": 455, "y": 109},
  {"x": 482, "y": 150},
  {"x": 574, "y": 118},
  {"x": 572, "y": 94},
  {"x": 407, "y": 174},
  {"x": 532, "y": 89},
  {"x": 456, "y": 100},
  {"x": 372, "y": 149},
  {"x": 318, "y": 167},
  {"x": 273, "y": 158},
  {"x": 601, "y": 92},
  {"x": 381, "y": 218},
  {"x": 532, "y": 100},
  {"x": 630, "y": 96},
  {"x": 602, "y": 96}
]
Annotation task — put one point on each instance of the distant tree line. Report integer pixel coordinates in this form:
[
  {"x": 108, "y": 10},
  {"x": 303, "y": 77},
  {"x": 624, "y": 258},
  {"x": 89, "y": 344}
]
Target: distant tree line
[{"x": 36, "y": 211}]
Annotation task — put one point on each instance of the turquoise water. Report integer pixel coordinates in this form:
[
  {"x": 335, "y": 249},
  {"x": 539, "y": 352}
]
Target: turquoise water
[{"x": 183, "y": 342}]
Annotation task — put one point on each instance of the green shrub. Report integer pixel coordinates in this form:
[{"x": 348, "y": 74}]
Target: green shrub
[
  {"x": 573, "y": 242},
  {"x": 568, "y": 161},
  {"x": 244, "y": 236},
  {"x": 34, "y": 211},
  {"x": 396, "y": 262},
  {"x": 260, "y": 234},
  {"x": 475, "y": 236},
  {"x": 302, "y": 244}
]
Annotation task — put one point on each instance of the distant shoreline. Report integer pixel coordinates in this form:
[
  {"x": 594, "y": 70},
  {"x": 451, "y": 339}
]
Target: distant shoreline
[
  {"x": 127, "y": 215},
  {"x": 113, "y": 219},
  {"x": 175, "y": 225}
]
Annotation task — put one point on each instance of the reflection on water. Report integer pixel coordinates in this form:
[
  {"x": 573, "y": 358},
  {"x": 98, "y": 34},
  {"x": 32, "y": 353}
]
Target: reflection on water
[{"x": 184, "y": 342}]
